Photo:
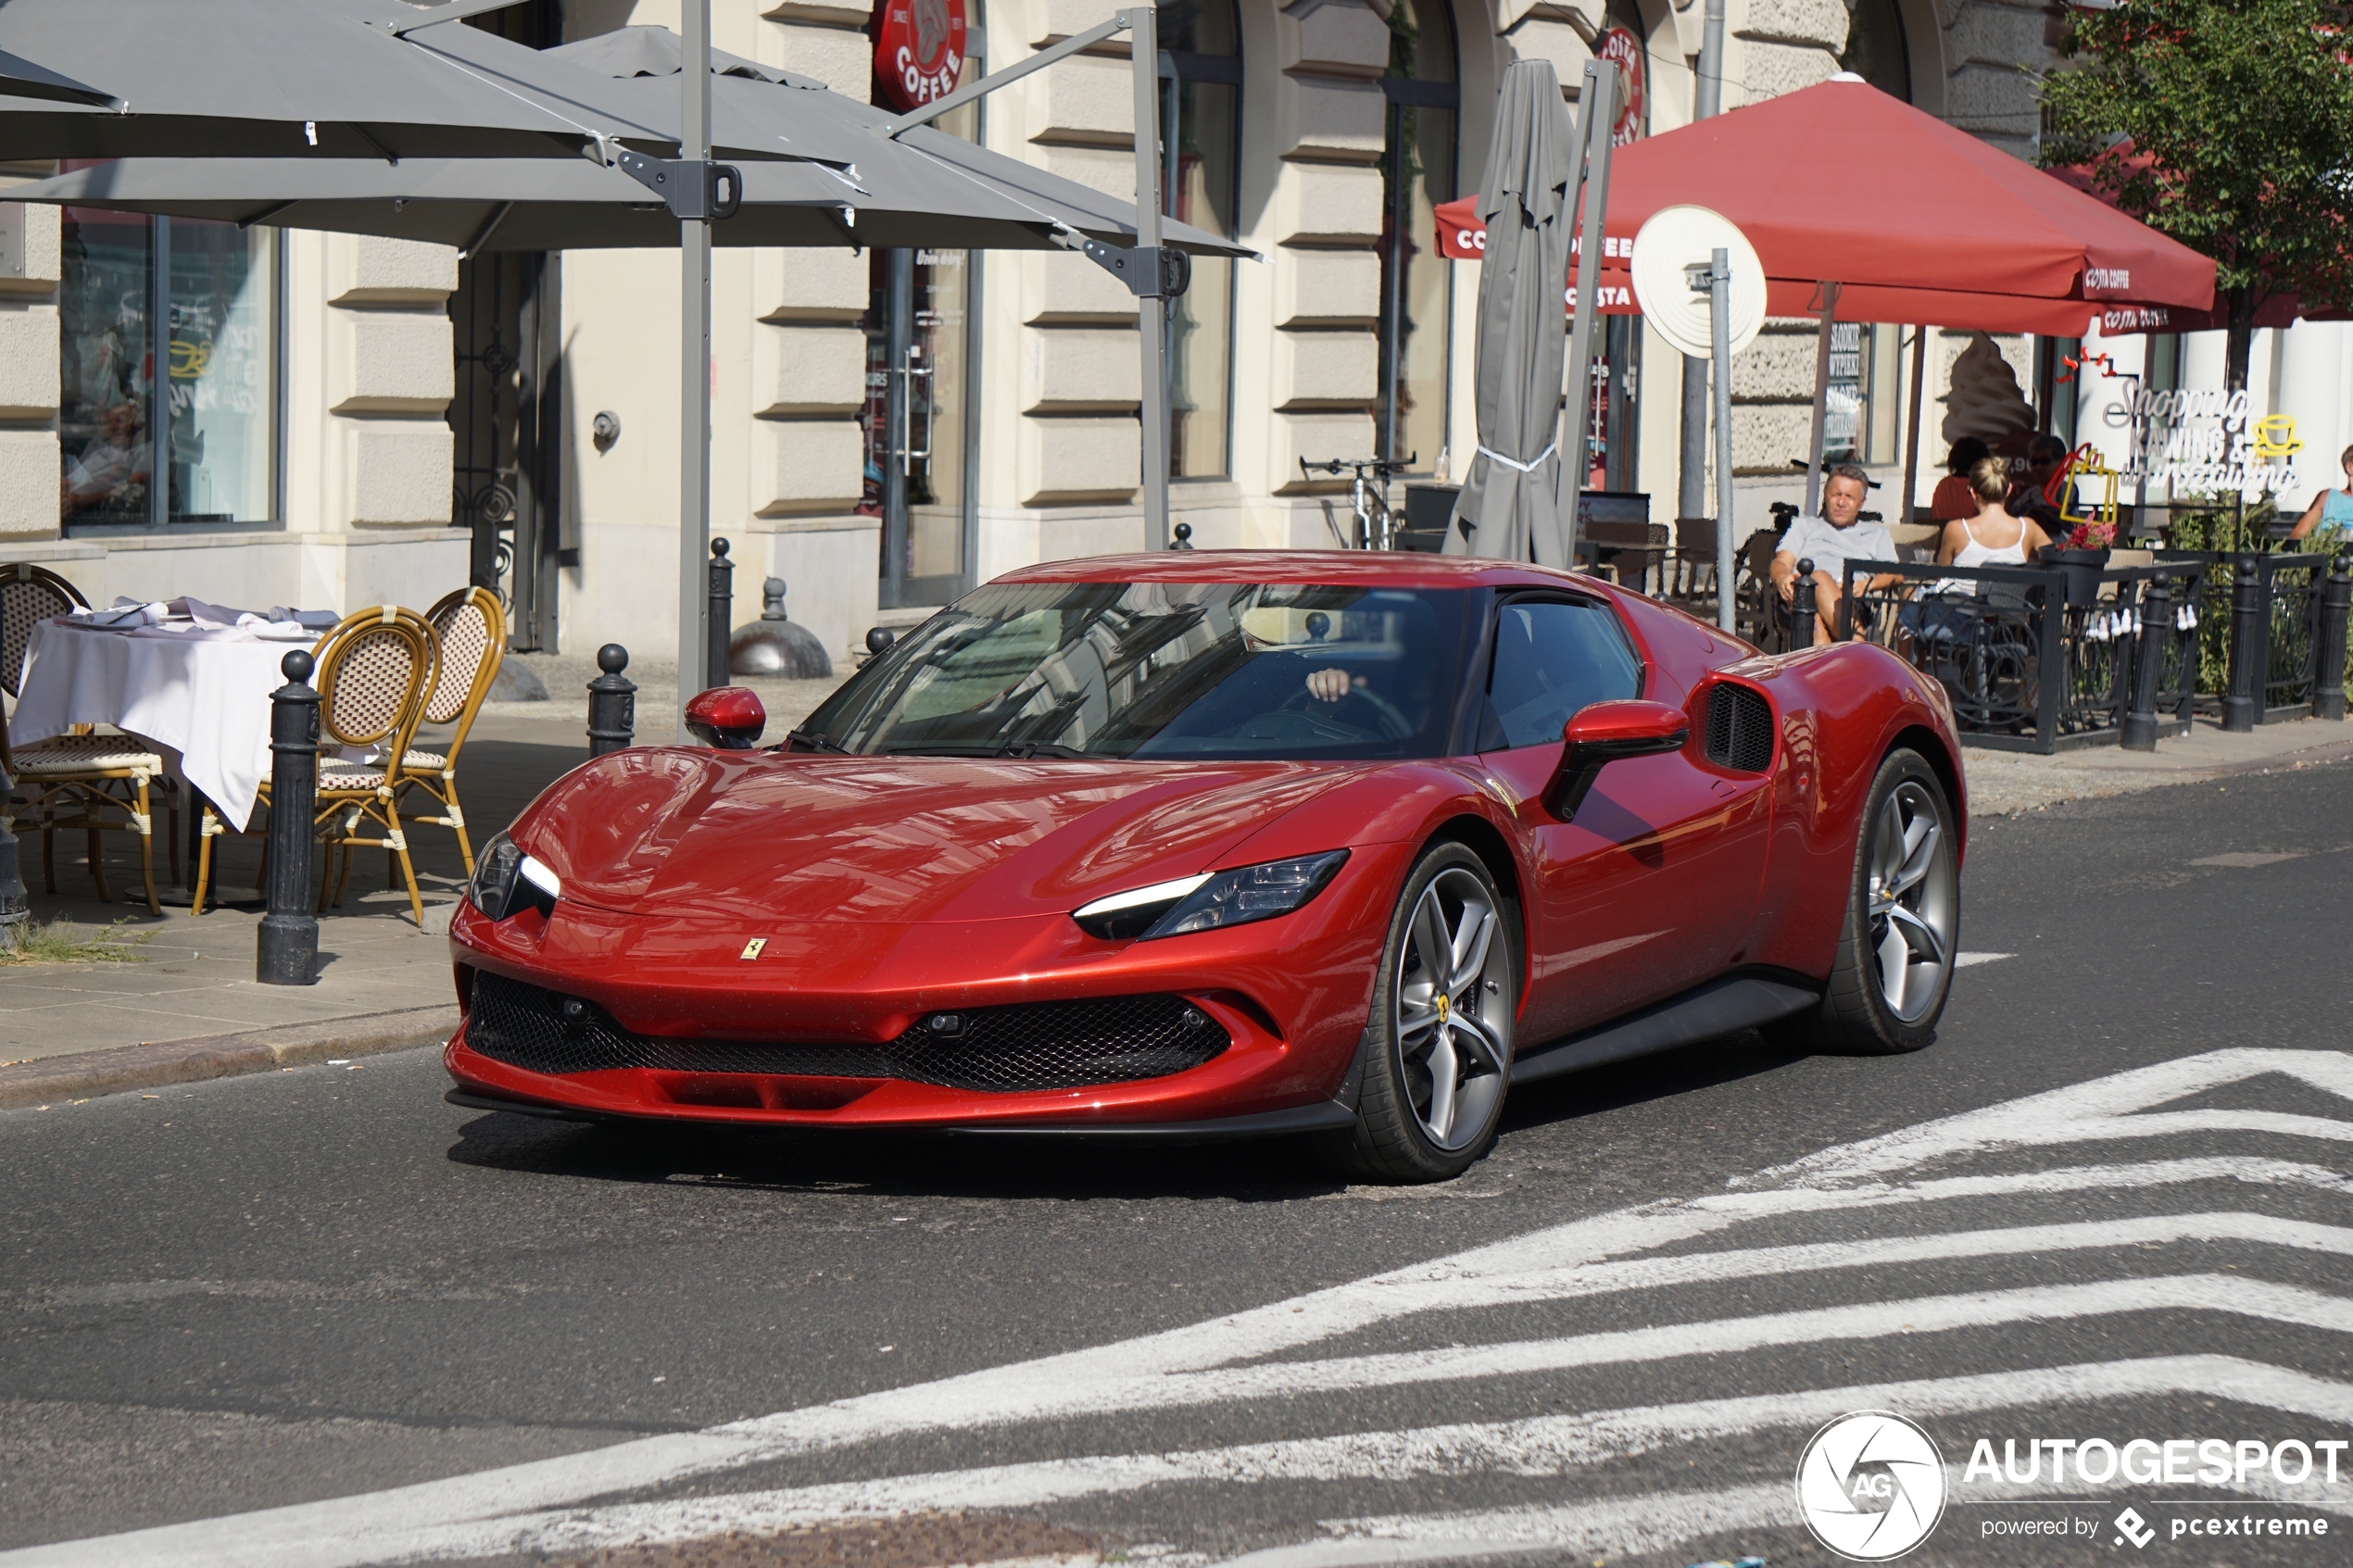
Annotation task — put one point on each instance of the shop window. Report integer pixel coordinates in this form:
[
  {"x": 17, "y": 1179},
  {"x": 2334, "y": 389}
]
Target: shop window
[
  {"x": 1201, "y": 91},
  {"x": 1862, "y": 420},
  {"x": 1876, "y": 49},
  {"x": 197, "y": 445},
  {"x": 1417, "y": 173}
]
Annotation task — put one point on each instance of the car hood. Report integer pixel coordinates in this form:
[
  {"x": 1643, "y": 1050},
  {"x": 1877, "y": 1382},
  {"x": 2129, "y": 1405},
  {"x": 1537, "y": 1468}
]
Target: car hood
[{"x": 805, "y": 836}]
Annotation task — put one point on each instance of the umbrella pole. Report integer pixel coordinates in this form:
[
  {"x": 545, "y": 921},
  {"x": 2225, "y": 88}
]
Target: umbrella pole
[
  {"x": 1821, "y": 399},
  {"x": 1151, "y": 311},
  {"x": 1719, "y": 311},
  {"x": 1912, "y": 429},
  {"x": 693, "y": 371},
  {"x": 1596, "y": 108}
]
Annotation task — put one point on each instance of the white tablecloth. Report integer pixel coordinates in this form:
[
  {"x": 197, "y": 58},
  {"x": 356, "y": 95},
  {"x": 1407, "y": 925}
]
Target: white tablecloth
[{"x": 201, "y": 697}]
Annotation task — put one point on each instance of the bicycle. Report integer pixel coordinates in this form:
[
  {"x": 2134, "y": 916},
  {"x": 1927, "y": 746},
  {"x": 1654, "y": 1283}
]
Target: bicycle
[{"x": 1376, "y": 522}]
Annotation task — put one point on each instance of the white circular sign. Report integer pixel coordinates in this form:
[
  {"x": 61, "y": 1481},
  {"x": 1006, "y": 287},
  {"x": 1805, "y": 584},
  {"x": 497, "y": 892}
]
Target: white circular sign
[
  {"x": 1677, "y": 237},
  {"x": 1871, "y": 1485}
]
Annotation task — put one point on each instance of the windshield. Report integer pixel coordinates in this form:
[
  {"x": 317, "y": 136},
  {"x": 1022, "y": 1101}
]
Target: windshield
[{"x": 1194, "y": 670}]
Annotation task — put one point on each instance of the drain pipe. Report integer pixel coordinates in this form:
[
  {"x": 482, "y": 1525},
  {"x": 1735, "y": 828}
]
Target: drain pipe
[{"x": 1691, "y": 496}]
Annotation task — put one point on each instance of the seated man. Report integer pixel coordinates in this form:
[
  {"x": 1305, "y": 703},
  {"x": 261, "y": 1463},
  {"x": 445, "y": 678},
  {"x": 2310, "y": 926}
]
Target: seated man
[{"x": 1830, "y": 541}]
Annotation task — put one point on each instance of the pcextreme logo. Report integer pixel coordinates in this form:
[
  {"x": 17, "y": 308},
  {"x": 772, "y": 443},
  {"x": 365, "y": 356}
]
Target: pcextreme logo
[{"x": 1871, "y": 1485}]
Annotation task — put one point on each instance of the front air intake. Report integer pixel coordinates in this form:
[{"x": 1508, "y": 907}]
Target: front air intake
[{"x": 1739, "y": 729}]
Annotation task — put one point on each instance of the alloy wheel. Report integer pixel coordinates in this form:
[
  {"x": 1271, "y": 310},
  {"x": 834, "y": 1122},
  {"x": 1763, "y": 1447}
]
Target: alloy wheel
[
  {"x": 1911, "y": 901},
  {"x": 1453, "y": 1023}
]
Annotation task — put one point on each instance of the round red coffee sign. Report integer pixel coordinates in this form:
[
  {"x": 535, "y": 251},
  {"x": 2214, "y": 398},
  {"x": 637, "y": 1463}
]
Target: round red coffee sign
[
  {"x": 919, "y": 50},
  {"x": 1623, "y": 50}
]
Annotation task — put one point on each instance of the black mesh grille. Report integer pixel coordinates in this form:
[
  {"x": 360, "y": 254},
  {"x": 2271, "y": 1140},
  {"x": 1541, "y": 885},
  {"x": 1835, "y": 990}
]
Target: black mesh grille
[
  {"x": 1037, "y": 1045},
  {"x": 1739, "y": 729}
]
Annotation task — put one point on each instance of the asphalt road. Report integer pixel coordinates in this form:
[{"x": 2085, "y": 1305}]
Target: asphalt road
[{"x": 1609, "y": 1342}]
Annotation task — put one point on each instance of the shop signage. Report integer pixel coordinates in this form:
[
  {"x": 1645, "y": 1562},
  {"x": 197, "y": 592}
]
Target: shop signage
[
  {"x": 2197, "y": 443},
  {"x": 919, "y": 50},
  {"x": 1624, "y": 50}
]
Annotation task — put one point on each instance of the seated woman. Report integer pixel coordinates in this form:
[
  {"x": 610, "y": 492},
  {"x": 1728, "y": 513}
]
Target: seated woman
[
  {"x": 1992, "y": 538},
  {"x": 2331, "y": 509}
]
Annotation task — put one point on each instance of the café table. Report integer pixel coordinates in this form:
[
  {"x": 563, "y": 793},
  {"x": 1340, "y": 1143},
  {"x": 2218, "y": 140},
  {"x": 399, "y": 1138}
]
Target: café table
[{"x": 200, "y": 696}]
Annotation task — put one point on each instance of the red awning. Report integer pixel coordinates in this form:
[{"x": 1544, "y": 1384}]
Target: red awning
[{"x": 1919, "y": 222}]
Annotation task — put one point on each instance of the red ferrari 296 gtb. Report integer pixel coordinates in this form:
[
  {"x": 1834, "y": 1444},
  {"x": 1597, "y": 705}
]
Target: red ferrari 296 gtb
[{"x": 1208, "y": 845}]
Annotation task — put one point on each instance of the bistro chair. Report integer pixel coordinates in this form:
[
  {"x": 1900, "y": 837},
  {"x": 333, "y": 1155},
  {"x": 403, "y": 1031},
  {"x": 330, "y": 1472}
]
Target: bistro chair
[
  {"x": 472, "y": 631},
  {"x": 374, "y": 670},
  {"x": 106, "y": 782}
]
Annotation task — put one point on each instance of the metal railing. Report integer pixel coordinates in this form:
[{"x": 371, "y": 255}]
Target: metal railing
[{"x": 2028, "y": 665}]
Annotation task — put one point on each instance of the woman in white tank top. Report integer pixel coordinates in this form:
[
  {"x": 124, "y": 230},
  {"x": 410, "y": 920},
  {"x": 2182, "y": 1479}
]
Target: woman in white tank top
[{"x": 1991, "y": 538}]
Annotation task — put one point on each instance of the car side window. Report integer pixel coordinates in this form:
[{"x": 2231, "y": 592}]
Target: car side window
[{"x": 1551, "y": 658}]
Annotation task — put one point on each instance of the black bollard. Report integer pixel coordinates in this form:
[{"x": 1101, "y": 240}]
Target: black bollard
[
  {"x": 286, "y": 950},
  {"x": 15, "y": 903},
  {"x": 2242, "y": 708},
  {"x": 878, "y": 641},
  {"x": 2328, "y": 674},
  {"x": 1183, "y": 539},
  {"x": 1802, "y": 613},
  {"x": 2138, "y": 732},
  {"x": 613, "y": 703},
  {"x": 722, "y": 618}
]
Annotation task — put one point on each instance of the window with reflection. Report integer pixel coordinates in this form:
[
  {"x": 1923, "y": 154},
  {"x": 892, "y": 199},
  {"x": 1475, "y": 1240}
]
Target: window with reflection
[
  {"x": 199, "y": 299},
  {"x": 1201, "y": 91},
  {"x": 1417, "y": 173}
]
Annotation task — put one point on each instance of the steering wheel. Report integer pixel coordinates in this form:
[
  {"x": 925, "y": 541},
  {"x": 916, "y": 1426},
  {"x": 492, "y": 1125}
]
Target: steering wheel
[{"x": 1391, "y": 723}]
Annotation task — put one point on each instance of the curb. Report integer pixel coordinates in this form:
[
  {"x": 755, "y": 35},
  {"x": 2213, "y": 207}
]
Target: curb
[{"x": 90, "y": 1074}]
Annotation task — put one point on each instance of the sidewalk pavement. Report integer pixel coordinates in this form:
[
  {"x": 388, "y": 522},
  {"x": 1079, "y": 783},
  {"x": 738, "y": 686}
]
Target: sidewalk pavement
[{"x": 193, "y": 1008}]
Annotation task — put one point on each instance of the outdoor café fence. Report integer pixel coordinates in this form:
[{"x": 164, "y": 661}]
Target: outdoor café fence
[
  {"x": 2260, "y": 611},
  {"x": 2036, "y": 657}
]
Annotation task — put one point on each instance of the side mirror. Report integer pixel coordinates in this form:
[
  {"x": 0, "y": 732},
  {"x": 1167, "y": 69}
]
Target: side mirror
[
  {"x": 727, "y": 717},
  {"x": 1603, "y": 733}
]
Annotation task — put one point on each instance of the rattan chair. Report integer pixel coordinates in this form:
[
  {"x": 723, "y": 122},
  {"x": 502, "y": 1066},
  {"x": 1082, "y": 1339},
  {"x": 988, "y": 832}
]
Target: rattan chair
[
  {"x": 474, "y": 642},
  {"x": 103, "y": 783},
  {"x": 374, "y": 670}
]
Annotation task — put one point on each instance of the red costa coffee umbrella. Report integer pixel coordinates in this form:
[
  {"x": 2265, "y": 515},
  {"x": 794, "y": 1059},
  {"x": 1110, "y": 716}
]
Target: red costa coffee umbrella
[{"x": 1916, "y": 221}]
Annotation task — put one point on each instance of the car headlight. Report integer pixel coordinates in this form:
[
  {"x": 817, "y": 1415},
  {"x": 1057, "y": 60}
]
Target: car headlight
[
  {"x": 1212, "y": 901},
  {"x": 506, "y": 881}
]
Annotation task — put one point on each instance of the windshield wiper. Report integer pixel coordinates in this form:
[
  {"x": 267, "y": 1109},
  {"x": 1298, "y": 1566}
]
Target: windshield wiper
[
  {"x": 795, "y": 739},
  {"x": 1022, "y": 750}
]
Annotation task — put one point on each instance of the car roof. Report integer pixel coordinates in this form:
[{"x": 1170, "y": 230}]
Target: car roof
[{"x": 1393, "y": 568}]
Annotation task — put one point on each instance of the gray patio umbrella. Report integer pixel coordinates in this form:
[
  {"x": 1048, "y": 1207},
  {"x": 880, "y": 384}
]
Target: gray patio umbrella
[
  {"x": 900, "y": 196},
  {"x": 1509, "y": 505},
  {"x": 265, "y": 78}
]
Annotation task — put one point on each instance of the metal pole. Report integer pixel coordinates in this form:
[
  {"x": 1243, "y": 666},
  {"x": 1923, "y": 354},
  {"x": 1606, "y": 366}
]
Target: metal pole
[
  {"x": 694, "y": 361},
  {"x": 1720, "y": 310},
  {"x": 613, "y": 703},
  {"x": 1151, "y": 311},
  {"x": 2328, "y": 673},
  {"x": 1821, "y": 401},
  {"x": 1912, "y": 430},
  {"x": 2242, "y": 708},
  {"x": 1692, "y": 497},
  {"x": 1597, "y": 106},
  {"x": 722, "y": 615},
  {"x": 2138, "y": 732},
  {"x": 286, "y": 948}
]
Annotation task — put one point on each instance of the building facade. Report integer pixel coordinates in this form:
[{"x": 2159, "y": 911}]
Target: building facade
[{"x": 343, "y": 421}]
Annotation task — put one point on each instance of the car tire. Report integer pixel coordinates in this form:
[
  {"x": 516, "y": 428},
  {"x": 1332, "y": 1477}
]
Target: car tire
[
  {"x": 1894, "y": 968},
  {"x": 1437, "y": 1060}
]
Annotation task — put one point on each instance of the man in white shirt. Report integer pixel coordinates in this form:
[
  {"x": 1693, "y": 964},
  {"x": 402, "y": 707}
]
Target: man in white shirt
[{"x": 1830, "y": 541}]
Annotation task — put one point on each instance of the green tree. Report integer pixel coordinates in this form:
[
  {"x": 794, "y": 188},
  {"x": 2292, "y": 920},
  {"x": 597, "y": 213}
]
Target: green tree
[{"x": 2239, "y": 115}]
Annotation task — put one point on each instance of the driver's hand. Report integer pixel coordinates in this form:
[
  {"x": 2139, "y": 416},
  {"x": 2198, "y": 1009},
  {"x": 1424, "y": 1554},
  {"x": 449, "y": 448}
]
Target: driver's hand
[{"x": 1328, "y": 686}]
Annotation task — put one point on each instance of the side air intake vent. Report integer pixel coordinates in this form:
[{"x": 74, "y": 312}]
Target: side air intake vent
[{"x": 1739, "y": 729}]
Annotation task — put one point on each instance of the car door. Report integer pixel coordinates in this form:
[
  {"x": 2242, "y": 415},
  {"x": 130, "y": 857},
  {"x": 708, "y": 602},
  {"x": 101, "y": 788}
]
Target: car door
[{"x": 1651, "y": 887}]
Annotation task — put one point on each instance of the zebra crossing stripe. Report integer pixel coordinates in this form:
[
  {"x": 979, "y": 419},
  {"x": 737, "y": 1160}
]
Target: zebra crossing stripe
[
  {"x": 1539, "y": 1446},
  {"x": 1577, "y": 1258}
]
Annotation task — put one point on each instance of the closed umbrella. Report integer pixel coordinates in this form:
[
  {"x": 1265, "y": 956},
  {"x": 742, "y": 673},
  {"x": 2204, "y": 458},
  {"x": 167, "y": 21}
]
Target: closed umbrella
[{"x": 1508, "y": 506}]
